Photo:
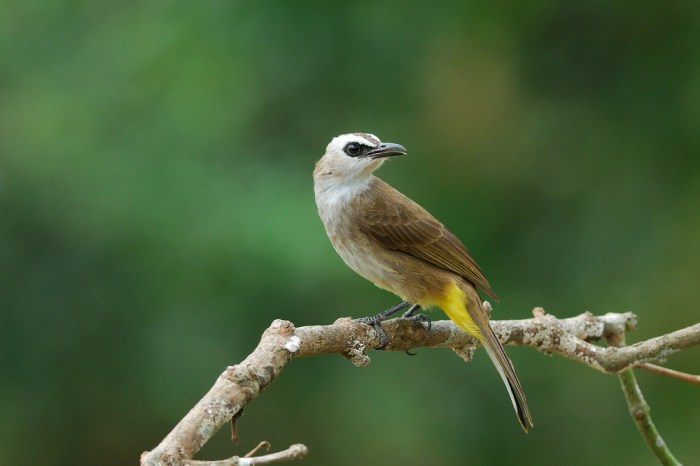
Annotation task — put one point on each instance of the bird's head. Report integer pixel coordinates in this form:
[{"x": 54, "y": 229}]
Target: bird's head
[{"x": 356, "y": 155}]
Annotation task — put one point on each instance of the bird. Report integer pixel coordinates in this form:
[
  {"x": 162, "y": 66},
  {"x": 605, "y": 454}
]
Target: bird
[{"x": 393, "y": 242}]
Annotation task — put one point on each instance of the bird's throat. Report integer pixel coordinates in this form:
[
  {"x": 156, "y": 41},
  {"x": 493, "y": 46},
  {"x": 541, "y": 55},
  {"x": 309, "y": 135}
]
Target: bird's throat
[{"x": 337, "y": 192}]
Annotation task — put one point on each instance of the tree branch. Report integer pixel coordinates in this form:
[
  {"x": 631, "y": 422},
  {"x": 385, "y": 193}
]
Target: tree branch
[
  {"x": 294, "y": 452},
  {"x": 694, "y": 379},
  {"x": 641, "y": 413},
  {"x": 240, "y": 384}
]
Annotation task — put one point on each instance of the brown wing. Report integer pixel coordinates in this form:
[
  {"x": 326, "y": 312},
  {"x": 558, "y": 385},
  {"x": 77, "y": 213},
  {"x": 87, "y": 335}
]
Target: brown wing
[{"x": 402, "y": 225}]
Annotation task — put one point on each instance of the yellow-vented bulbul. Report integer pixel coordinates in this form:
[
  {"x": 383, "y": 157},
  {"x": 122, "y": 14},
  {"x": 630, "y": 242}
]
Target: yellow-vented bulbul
[{"x": 393, "y": 242}]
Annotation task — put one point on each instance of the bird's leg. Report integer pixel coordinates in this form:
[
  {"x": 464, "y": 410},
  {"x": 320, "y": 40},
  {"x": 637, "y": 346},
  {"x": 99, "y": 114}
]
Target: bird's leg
[
  {"x": 411, "y": 311},
  {"x": 421, "y": 317},
  {"x": 375, "y": 321},
  {"x": 385, "y": 314}
]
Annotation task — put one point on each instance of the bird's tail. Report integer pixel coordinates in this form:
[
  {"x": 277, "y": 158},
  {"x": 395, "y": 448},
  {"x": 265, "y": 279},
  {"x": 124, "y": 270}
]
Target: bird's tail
[{"x": 464, "y": 306}]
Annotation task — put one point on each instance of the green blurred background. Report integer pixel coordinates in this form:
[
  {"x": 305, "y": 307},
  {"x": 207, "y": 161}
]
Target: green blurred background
[{"x": 157, "y": 213}]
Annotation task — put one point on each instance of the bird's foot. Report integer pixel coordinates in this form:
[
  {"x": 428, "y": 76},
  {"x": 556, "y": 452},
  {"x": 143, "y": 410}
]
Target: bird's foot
[
  {"x": 376, "y": 320},
  {"x": 420, "y": 317}
]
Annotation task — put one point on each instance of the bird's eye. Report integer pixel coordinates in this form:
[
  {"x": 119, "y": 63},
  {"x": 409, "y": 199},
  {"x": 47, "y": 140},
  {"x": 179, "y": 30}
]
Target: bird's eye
[{"x": 353, "y": 149}]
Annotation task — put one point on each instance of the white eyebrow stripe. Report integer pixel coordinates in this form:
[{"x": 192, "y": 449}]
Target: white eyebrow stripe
[{"x": 340, "y": 141}]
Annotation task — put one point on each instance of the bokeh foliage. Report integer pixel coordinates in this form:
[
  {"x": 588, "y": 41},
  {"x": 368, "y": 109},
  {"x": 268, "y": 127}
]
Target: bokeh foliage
[{"x": 156, "y": 214}]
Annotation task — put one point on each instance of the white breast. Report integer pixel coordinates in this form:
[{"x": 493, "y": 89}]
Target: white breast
[{"x": 358, "y": 251}]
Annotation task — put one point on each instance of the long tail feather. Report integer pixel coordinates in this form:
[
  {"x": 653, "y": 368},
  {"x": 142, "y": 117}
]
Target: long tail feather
[
  {"x": 474, "y": 319},
  {"x": 515, "y": 390},
  {"x": 498, "y": 355}
]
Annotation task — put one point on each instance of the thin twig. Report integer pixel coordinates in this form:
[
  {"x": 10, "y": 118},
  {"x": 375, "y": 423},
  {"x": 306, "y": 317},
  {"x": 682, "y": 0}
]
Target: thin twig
[
  {"x": 263, "y": 444},
  {"x": 294, "y": 452},
  {"x": 694, "y": 379}
]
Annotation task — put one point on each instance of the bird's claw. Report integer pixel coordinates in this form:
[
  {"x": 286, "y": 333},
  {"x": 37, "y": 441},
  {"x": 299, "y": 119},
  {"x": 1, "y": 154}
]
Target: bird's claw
[
  {"x": 376, "y": 323},
  {"x": 376, "y": 320},
  {"x": 422, "y": 318}
]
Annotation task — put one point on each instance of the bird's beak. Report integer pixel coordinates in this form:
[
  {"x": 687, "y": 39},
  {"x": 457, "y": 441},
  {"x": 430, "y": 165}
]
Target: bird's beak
[{"x": 386, "y": 149}]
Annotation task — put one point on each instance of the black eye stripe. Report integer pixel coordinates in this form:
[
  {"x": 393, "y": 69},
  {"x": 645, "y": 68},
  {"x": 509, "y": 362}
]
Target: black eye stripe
[{"x": 355, "y": 149}]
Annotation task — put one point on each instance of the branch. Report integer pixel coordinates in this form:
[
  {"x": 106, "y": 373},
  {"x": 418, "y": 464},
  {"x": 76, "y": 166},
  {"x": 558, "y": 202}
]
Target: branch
[
  {"x": 240, "y": 384},
  {"x": 610, "y": 359},
  {"x": 296, "y": 451},
  {"x": 691, "y": 378},
  {"x": 640, "y": 410},
  {"x": 641, "y": 413}
]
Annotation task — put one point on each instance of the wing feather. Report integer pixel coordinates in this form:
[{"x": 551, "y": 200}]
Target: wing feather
[{"x": 402, "y": 225}]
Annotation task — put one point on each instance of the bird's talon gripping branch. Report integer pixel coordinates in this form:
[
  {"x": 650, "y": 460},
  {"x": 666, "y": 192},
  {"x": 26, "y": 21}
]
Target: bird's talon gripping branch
[
  {"x": 381, "y": 335},
  {"x": 423, "y": 318},
  {"x": 376, "y": 320}
]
